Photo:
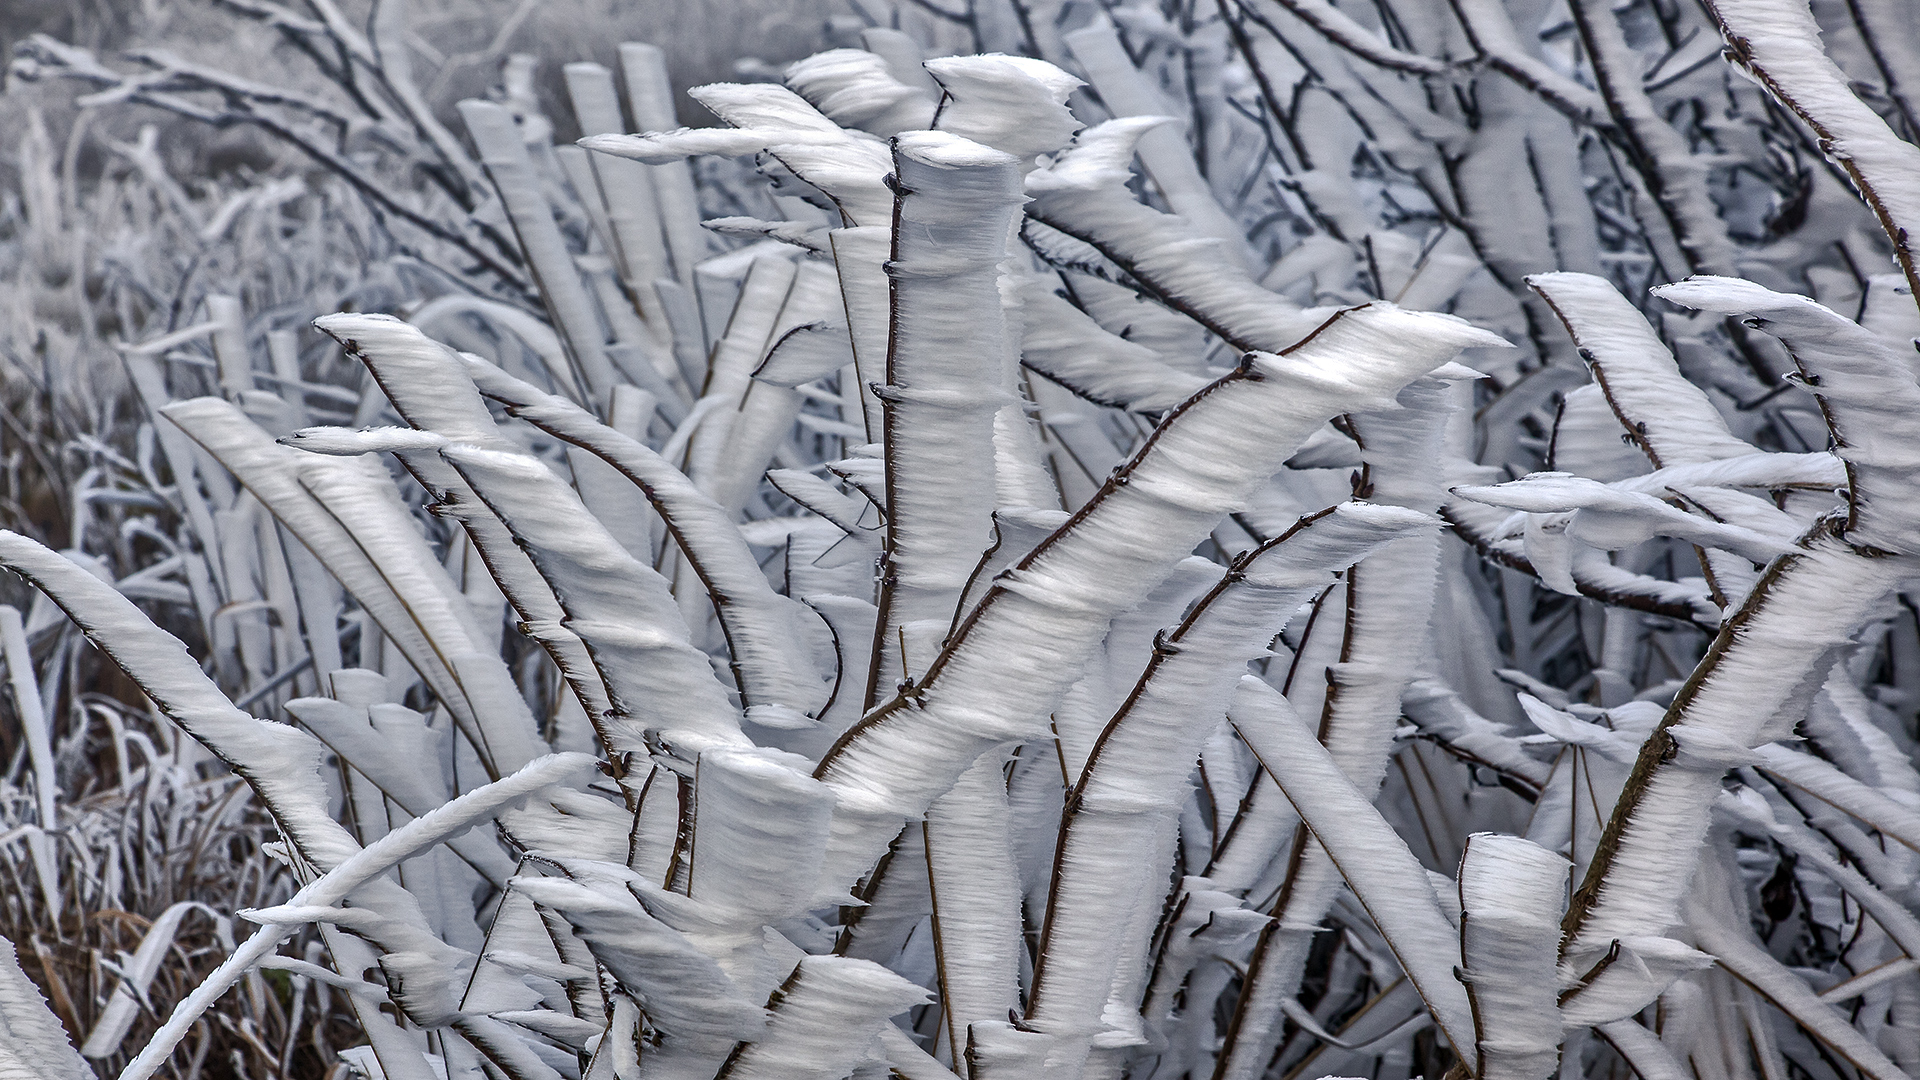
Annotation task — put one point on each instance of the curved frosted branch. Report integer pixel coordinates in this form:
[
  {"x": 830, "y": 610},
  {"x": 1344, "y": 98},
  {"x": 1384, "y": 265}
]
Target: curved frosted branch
[
  {"x": 1778, "y": 43},
  {"x": 1389, "y": 882},
  {"x": 1116, "y": 840},
  {"x": 766, "y": 632},
  {"x": 1084, "y": 195},
  {"x": 1017, "y": 653},
  {"x": 281, "y": 763}
]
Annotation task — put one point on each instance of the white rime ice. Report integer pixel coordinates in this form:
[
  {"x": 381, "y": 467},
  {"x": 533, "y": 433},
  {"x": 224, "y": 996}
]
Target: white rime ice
[
  {"x": 1083, "y": 194},
  {"x": 1778, "y": 43},
  {"x": 1116, "y": 842},
  {"x": 1009, "y": 663},
  {"x": 968, "y": 616},
  {"x": 1356, "y": 690},
  {"x": 33, "y": 1046},
  {"x": 766, "y": 630},
  {"x": 620, "y": 607},
  {"x": 1371, "y": 857},
  {"x": 281, "y": 762},
  {"x": 854, "y": 88},
  {"x": 1666, "y": 416},
  {"x": 1773, "y": 655},
  {"x": 945, "y": 377},
  {"x": 1512, "y": 892},
  {"x": 1066, "y": 345},
  {"x": 826, "y": 1020}
]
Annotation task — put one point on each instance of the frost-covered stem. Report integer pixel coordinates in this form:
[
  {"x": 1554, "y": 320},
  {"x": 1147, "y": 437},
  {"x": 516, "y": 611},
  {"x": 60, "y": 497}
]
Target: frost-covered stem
[
  {"x": 1388, "y": 881},
  {"x": 632, "y": 211},
  {"x": 1084, "y": 195},
  {"x": 621, "y": 608},
  {"x": 1499, "y": 208},
  {"x": 353, "y": 520},
  {"x": 955, "y": 204},
  {"x": 1744, "y": 959},
  {"x": 1888, "y": 35},
  {"x": 331, "y": 888},
  {"x": 1340, "y": 28},
  {"x": 387, "y": 31},
  {"x": 750, "y": 332},
  {"x": 425, "y": 383},
  {"x": 512, "y": 571},
  {"x": 1670, "y": 419},
  {"x": 1128, "y": 92},
  {"x": 650, "y": 99},
  {"x": 975, "y": 892},
  {"x": 280, "y": 763},
  {"x": 573, "y": 311},
  {"x": 1015, "y": 655},
  {"x": 1492, "y": 32},
  {"x": 860, "y": 256},
  {"x": 1117, "y": 835},
  {"x": 1511, "y": 895},
  {"x": 1675, "y": 177},
  {"x": 35, "y": 731},
  {"x": 1390, "y": 598},
  {"x": 36, "y": 1047},
  {"x": 1778, "y": 43},
  {"x": 822, "y": 1021},
  {"x": 765, "y": 631},
  {"x": 1277, "y": 112},
  {"x": 1769, "y": 658},
  {"x": 954, "y": 207},
  {"x": 1653, "y": 596}
]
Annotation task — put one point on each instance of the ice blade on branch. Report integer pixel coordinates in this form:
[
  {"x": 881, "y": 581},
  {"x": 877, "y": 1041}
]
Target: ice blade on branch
[
  {"x": 504, "y": 152},
  {"x": 1608, "y": 518},
  {"x": 621, "y": 608},
  {"x": 854, "y": 88},
  {"x": 1777, "y": 42},
  {"x": 1512, "y": 892},
  {"x": 760, "y": 827},
  {"x": 1066, "y": 345},
  {"x": 826, "y": 1021},
  {"x": 1084, "y": 194},
  {"x": 1116, "y": 846},
  {"x": 33, "y": 1045},
  {"x": 281, "y": 763},
  {"x": 1669, "y": 418},
  {"x": 1008, "y": 664},
  {"x": 359, "y": 868},
  {"x": 1352, "y": 672},
  {"x": 698, "y": 1009},
  {"x": 1767, "y": 662},
  {"x": 1866, "y": 391},
  {"x": 1390, "y": 883},
  {"x": 349, "y": 515},
  {"x": 947, "y": 377},
  {"x": 769, "y": 634},
  {"x": 846, "y": 166},
  {"x": 1015, "y": 104}
]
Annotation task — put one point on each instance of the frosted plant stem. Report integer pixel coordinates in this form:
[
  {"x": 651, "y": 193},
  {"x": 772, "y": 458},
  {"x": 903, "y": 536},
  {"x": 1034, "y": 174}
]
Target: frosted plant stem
[
  {"x": 1007, "y": 665},
  {"x": 1675, "y": 177},
  {"x": 1116, "y": 839},
  {"x": 1778, "y": 43},
  {"x": 1389, "y": 602},
  {"x": 957, "y": 201},
  {"x": 455, "y": 816}
]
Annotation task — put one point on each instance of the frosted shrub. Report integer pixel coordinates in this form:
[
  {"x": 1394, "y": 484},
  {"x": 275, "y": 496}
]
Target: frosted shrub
[{"x": 989, "y": 621}]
